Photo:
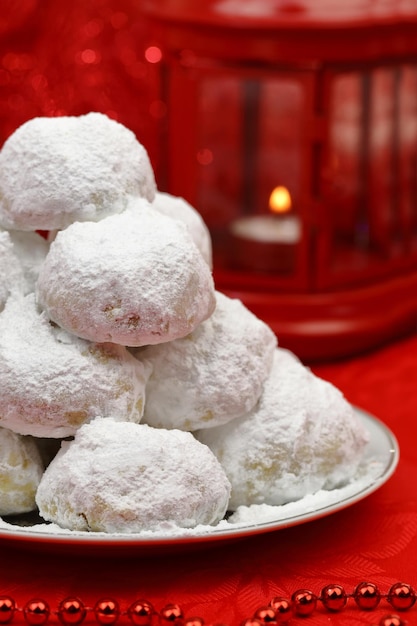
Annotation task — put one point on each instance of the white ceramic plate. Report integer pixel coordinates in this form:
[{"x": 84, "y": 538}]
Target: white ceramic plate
[{"x": 380, "y": 461}]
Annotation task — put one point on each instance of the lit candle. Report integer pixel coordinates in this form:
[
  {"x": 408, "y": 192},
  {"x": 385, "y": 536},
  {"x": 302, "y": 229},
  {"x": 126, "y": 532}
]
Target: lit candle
[{"x": 267, "y": 242}]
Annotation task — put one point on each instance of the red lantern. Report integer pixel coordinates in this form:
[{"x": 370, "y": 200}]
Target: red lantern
[{"x": 319, "y": 101}]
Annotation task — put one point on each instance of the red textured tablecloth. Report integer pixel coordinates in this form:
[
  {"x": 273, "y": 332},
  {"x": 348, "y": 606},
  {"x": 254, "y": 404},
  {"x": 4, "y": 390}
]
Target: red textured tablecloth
[{"x": 374, "y": 540}]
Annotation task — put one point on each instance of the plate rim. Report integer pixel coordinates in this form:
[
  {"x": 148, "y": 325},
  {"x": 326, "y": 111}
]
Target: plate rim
[{"x": 69, "y": 539}]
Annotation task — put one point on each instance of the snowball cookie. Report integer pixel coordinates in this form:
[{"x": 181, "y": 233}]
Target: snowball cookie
[
  {"x": 58, "y": 170},
  {"x": 52, "y": 382},
  {"x": 21, "y": 470},
  {"x": 214, "y": 374},
  {"x": 180, "y": 209},
  {"x": 126, "y": 478},
  {"x": 133, "y": 279},
  {"x": 302, "y": 436}
]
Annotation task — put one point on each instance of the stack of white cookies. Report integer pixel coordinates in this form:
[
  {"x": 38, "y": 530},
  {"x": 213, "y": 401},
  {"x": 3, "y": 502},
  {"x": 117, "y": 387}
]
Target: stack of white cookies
[{"x": 170, "y": 403}]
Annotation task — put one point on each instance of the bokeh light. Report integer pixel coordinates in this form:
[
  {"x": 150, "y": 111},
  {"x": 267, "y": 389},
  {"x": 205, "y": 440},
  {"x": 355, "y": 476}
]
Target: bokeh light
[{"x": 71, "y": 58}]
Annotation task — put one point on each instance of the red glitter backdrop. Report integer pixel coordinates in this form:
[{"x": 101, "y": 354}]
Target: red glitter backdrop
[{"x": 69, "y": 58}]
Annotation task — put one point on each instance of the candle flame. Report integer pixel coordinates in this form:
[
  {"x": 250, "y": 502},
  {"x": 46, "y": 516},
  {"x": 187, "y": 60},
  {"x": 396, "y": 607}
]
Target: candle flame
[{"x": 280, "y": 200}]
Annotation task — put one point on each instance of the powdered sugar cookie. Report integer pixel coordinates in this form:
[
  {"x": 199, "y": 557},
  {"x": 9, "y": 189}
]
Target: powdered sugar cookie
[
  {"x": 57, "y": 170},
  {"x": 212, "y": 375},
  {"x": 301, "y": 437},
  {"x": 52, "y": 382},
  {"x": 180, "y": 209},
  {"x": 127, "y": 478},
  {"x": 21, "y": 470},
  {"x": 133, "y": 279}
]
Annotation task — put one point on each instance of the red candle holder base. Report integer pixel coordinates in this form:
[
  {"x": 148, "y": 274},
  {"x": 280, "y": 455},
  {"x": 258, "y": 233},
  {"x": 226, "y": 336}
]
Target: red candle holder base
[{"x": 324, "y": 326}]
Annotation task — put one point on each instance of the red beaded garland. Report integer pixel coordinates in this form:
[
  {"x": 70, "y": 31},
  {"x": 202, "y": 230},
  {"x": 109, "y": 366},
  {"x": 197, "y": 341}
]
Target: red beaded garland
[
  {"x": 7, "y": 609},
  {"x": 334, "y": 597},
  {"x": 401, "y": 596},
  {"x": 171, "y": 613},
  {"x": 367, "y": 596},
  {"x": 140, "y": 612},
  {"x": 107, "y": 611},
  {"x": 71, "y": 611},
  {"x": 36, "y": 612},
  {"x": 265, "y": 614},
  {"x": 282, "y": 607}
]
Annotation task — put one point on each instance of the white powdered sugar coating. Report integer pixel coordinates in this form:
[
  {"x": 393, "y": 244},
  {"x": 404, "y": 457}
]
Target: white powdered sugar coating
[
  {"x": 11, "y": 271},
  {"x": 21, "y": 256},
  {"x": 21, "y": 470},
  {"x": 57, "y": 170},
  {"x": 180, "y": 209},
  {"x": 133, "y": 279},
  {"x": 301, "y": 437},
  {"x": 52, "y": 382},
  {"x": 214, "y": 374},
  {"x": 31, "y": 250},
  {"x": 121, "y": 477}
]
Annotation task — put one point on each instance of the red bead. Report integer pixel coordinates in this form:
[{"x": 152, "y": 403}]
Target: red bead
[
  {"x": 107, "y": 611},
  {"x": 71, "y": 611},
  {"x": 265, "y": 614},
  {"x": 304, "y": 602},
  {"x": 401, "y": 596},
  {"x": 334, "y": 597},
  {"x": 282, "y": 608},
  {"x": 391, "y": 620},
  {"x": 251, "y": 621},
  {"x": 7, "y": 609},
  {"x": 140, "y": 612},
  {"x": 171, "y": 613},
  {"x": 367, "y": 596},
  {"x": 36, "y": 612}
]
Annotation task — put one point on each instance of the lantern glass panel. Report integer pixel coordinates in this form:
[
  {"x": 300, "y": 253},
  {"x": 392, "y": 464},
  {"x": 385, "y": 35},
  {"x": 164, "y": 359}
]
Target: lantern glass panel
[
  {"x": 350, "y": 225},
  {"x": 280, "y": 150},
  {"x": 219, "y": 177},
  {"x": 406, "y": 182},
  {"x": 371, "y": 176},
  {"x": 250, "y": 141}
]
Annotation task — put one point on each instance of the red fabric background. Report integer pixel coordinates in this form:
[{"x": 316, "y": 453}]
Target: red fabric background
[
  {"x": 373, "y": 540},
  {"x": 69, "y": 58}
]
